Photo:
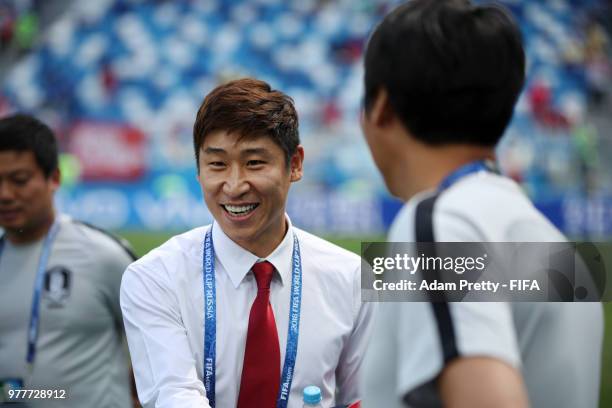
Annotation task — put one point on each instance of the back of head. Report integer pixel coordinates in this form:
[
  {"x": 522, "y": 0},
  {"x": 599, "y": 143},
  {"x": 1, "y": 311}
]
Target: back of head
[
  {"x": 453, "y": 70},
  {"x": 250, "y": 108},
  {"x": 25, "y": 133}
]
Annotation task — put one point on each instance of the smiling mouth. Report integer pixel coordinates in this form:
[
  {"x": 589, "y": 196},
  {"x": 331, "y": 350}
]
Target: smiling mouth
[
  {"x": 239, "y": 210},
  {"x": 9, "y": 212}
]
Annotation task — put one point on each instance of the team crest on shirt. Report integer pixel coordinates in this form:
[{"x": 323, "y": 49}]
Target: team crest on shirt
[{"x": 56, "y": 287}]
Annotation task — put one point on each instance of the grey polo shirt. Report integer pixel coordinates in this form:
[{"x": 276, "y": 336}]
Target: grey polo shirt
[{"x": 80, "y": 347}]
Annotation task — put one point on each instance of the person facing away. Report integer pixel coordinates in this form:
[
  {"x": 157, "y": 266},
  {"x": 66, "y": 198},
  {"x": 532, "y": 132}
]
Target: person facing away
[
  {"x": 441, "y": 81},
  {"x": 60, "y": 319},
  {"x": 250, "y": 310}
]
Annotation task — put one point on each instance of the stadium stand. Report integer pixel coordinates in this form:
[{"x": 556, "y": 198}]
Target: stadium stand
[{"x": 122, "y": 79}]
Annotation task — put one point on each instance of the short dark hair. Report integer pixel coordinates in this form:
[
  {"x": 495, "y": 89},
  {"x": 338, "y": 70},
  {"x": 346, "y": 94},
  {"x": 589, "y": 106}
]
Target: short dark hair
[
  {"x": 453, "y": 70},
  {"x": 250, "y": 108},
  {"x": 26, "y": 133}
]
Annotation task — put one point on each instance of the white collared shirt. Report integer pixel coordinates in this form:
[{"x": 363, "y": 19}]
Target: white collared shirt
[{"x": 163, "y": 309}]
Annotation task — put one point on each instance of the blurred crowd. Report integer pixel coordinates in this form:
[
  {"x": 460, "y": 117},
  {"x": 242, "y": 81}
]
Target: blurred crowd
[
  {"x": 19, "y": 24},
  {"x": 140, "y": 68}
]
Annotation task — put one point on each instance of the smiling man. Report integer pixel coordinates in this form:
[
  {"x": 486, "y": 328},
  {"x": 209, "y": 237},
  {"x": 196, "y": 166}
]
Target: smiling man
[
  {"x": 250, "y": 310},
  {"x": 60, "y": 320}
]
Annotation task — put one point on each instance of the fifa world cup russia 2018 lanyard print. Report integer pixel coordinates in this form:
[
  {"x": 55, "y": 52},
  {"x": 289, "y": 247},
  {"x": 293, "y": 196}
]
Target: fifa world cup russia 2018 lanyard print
[{"x": 210, "y": 322}]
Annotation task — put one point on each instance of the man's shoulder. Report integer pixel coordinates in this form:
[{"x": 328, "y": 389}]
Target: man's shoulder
[
  {"x": 94, "y": 241},
  {"x": 478, "y": 191},
  {"x": 181, "y": 248},
  {"x": 166, "y": 265},
  {"x": 495, "y": 208},
  {"x": 482, "y": 207}
]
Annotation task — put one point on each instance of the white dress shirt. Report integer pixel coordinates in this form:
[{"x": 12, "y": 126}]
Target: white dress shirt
[{"x": 162, "y": 302}]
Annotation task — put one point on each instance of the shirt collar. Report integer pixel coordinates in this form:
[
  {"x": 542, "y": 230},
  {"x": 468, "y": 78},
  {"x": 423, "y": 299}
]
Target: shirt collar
[{"x": 237, "y": 261}]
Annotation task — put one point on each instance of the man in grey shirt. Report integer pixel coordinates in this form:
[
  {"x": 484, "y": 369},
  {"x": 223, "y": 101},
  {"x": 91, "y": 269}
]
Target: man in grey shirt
[
  {"x": 441, "y": 81},
  {"x": 60, "y": 321}
]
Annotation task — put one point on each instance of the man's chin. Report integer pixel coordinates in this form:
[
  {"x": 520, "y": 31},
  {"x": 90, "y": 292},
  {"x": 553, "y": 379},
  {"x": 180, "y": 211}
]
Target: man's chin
[
  {"x": 14, "y": 233},
  {"x": 12, "y": 227},
  {"x": 233, "y": 230},
  {"x": 240, "y": 235}
]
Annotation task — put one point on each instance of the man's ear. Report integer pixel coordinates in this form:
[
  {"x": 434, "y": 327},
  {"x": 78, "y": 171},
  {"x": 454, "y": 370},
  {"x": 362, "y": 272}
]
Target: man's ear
[
  {"x": 381, "y": 113},
  {"x": 55, "y": 179},
  {"x": 296, "y": 164}
]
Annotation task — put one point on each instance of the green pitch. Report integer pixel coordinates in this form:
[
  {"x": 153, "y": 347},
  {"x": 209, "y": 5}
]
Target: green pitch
[{"x": 143, "y": 242}]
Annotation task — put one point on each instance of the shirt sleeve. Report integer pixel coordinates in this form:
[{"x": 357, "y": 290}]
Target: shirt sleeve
[
  {"x": 115, "y": 264},
  {"x": 348, "y": 371},
  {"x": 427, "y": 336},
  {"x": 164, "y": 366}
]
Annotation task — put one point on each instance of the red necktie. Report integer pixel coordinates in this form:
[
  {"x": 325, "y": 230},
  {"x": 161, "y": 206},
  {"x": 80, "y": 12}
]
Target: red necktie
[{"x": 260, "y": 380}]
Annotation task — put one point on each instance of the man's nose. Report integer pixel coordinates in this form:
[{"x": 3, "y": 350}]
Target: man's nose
[
  {"x": 236, "y": 184},
  {"x": 6, "y": 192}
]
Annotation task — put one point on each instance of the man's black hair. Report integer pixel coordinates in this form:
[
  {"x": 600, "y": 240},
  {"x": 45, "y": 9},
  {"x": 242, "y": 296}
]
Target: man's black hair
[
  {"x": 453, "y": 70},
  {"x": 25, "y": 133}
]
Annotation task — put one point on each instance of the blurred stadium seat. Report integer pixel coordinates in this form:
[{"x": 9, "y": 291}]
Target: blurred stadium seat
[{"x": 122, "y": 79}]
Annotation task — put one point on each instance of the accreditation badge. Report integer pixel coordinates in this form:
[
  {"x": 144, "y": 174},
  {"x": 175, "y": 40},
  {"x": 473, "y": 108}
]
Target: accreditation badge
[{"x": 7, "y": 385}]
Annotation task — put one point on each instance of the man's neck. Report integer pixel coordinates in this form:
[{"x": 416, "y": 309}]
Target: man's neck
[
  {"x": 30, "y": 235},
  {"x": 426, "y": 167},
  {"x": 266, "y": 244}
]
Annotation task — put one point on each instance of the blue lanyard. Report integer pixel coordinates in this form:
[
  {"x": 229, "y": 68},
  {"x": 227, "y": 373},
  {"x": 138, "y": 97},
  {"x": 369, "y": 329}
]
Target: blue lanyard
[
  {"x": 38, "y": 285},
  {"x": 465, "y": 170},
  {"x": 210, "y": 322}
]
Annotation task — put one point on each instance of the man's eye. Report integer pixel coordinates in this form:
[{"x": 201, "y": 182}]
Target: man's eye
[
  {"x": 21, "y": 181},
  {"x": 255, "y": 162},
  {"x": 216, "y": 164}
]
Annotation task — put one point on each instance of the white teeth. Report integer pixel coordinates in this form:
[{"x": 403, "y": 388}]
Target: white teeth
[{"x": 240, "y": 209}]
